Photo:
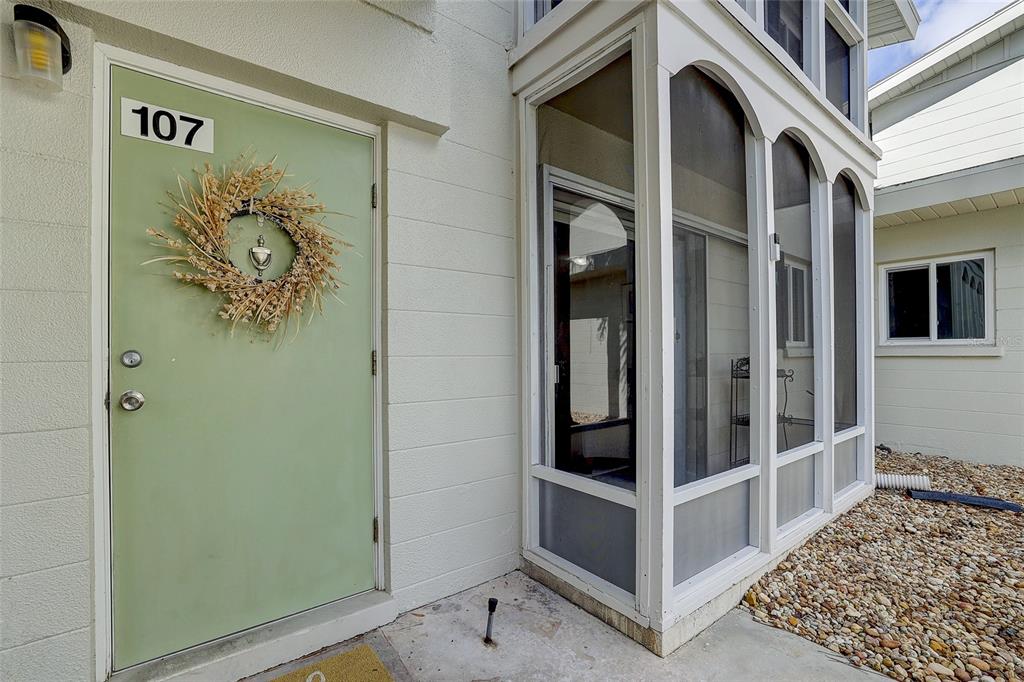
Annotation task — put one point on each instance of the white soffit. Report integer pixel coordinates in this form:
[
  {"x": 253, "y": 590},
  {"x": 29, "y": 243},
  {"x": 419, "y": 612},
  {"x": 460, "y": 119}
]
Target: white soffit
[
  {"x": 994, "y": 185},
  {"x": 953, "y": 51},
  {"x": 891, "y": 21}
]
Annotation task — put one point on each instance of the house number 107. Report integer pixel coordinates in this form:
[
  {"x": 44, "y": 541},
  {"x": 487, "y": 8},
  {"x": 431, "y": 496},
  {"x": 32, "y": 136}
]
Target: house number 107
[{"x": 167, "y": 126}]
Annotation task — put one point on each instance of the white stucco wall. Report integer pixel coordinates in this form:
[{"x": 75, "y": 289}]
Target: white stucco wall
[
  {"x": 967, "y": 407},
  {"x": 452, "y": 416}
]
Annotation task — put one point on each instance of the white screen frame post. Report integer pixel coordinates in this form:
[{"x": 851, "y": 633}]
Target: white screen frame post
[
  {"x": 582, "y": 63},
  {"x": 821, "y": 228}
]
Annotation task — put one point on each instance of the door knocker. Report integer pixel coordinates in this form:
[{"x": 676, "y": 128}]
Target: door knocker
[{"x": 260, "y": 256}]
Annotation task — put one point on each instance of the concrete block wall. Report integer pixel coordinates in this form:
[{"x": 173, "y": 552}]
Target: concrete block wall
[
  {"x": 451, "y": 403},
  {"x": 46, "y": 605},
  {"x": 969, "y": 408},
  {"x": 453, "y": 413}
]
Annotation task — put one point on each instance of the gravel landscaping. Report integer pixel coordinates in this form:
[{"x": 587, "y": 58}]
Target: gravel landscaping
[{"x": 913, "y": 589}]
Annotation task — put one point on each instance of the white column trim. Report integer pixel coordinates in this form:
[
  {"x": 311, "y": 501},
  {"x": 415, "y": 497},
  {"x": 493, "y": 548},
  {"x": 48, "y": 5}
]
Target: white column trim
[
  {"x": 763, "y": 360},
  {"x": 821, "y": 231}
]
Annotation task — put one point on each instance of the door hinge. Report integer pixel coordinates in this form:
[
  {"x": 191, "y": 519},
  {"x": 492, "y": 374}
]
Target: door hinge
[
  {"x": 106, "y": 400},
  {"x": 373, "y": 195},
  {"x": 373, "y": 362},
  {"x": 376, "y": 530}
]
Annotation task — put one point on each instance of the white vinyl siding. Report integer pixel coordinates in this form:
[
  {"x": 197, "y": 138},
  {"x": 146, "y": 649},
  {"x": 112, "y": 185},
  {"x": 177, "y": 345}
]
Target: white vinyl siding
[{"x": 950, "y": 130}]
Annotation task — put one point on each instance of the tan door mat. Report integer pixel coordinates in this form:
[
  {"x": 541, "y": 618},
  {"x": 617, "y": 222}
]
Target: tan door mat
[{"x": 357, "y": 665}]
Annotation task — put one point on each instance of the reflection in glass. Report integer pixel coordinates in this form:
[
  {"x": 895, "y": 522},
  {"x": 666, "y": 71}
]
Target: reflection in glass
[
  {"x": 960, "y": 299},
  {"x": 784, "y": 21},
  {"x": 844, "y": 302},
  {"x": 542, "y": 7},
  {"x": 794, "y": 289},
  {"x": 908, "y": 303},
  {"x": 837, "y": 70},
  {"x": 594, "y": 353}
]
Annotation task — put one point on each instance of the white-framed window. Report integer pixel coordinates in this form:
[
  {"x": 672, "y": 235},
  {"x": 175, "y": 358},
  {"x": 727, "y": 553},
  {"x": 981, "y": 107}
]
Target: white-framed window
[
  {"x": 947, "y": 300},
  {"x": 843, "y": 43},
  {"x": 824, "y": 39},
  {"x": 535, "y": 10},
  {"x": 788, "y": 22}
]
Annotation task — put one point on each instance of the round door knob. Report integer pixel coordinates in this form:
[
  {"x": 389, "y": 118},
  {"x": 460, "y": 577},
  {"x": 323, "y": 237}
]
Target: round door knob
[{"x": 132, "y": 400}]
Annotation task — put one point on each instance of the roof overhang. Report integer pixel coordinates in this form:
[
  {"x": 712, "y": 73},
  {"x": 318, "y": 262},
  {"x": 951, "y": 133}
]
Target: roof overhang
[
  {"x": 992, "y": 185},
  {"x": 891, "y": 22},
  {"x": 953, "y": 51}
]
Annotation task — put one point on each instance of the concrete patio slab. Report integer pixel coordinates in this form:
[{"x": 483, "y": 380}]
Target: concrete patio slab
[{"x": 540, "y": 636}]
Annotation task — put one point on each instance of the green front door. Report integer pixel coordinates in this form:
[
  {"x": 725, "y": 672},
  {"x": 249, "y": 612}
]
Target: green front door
[{"x": 242, "y": 490}]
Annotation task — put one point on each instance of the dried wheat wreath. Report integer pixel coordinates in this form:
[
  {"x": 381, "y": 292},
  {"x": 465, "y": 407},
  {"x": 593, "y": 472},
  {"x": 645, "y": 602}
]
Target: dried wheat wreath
[{"x": 202, "y": 215}]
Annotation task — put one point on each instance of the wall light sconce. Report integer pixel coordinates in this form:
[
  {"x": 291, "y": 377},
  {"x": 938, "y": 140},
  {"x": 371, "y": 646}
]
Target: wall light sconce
[{"x": 42, "y": 46}]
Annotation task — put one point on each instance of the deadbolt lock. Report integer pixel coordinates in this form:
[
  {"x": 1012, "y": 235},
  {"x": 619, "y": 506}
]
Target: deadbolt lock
[
  {"x": 131, "y": 358},
  {"x": 132, "y": 400}
]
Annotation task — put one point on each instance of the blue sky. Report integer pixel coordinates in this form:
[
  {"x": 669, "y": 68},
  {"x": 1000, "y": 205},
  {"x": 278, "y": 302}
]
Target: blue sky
[{"x": 940, "y": 21}]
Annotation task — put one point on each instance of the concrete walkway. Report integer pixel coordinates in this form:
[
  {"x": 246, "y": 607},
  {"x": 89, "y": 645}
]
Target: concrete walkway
[{"x": 541, "y": 636}]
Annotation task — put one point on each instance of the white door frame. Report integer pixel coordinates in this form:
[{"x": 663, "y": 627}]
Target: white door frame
[{"x": 105, "y": 57}]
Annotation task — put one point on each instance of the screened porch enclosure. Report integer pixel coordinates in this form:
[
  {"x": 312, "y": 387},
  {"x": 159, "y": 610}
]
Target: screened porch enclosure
[{"x": 695, "y": 331}]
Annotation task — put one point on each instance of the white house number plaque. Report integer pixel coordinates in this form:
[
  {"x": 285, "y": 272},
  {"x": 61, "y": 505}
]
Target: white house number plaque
[{"x": 154, "y": 123}]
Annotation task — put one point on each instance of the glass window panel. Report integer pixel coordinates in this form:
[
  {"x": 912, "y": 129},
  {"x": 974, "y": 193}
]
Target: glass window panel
[
  {"x": 844, "y": 469},
  {"x": 542, "y": 7},
  {"x": 908, "y": 303},
  {"x": 711, "y": 528},
  {"x": 594, "y": 351},
  {"x": 960, "y": 299},
  {"x": 711, "y": 289},
  {"x": 796, "y": 487},
  {"x": 844, "y": 305},
  {"x": 837, "y": 70},
  {"x": 588, "y": 130},
  {"x": 784, "y": 21},
  {"x": 794, "y": 301},
  {"x": 595, "y": 534}
]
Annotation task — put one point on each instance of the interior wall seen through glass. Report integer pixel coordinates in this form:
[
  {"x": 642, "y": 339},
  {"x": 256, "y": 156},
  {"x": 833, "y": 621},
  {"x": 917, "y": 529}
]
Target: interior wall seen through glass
[
  {"x": 794, "y": 281},
  {"x": 844, "y": 304},
  {"x": 784, "y": 21},
  {"x": 710, "y": 284},
  {"x": 837, "y": 70}
]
